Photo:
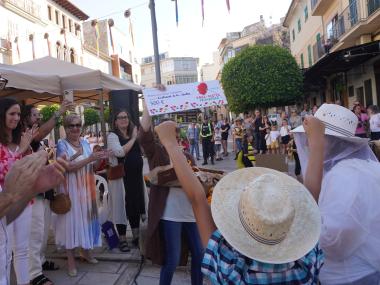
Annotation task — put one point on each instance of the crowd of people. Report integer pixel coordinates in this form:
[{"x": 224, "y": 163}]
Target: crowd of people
[{"x": 263, "y": 227}]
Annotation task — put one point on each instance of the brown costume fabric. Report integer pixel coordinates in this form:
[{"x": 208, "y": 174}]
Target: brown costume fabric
[{"x": 157, "y": 156}]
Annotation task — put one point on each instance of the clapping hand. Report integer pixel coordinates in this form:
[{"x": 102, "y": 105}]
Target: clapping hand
[
  {"x": 27, "y": 137},
  {"x": 50, "y": 176},
  {"x": 24, "y": 173}
]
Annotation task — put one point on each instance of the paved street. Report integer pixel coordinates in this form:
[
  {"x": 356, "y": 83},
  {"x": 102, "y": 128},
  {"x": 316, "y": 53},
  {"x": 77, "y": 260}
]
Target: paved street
[{"x": 116, "y": 268}]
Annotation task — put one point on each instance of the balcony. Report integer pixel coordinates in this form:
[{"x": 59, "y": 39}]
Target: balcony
[
  {"x": 361, "y": 17},
  {"x": 25, "y": 8},
  {"x": 319, "y": 7},
  {"x": 319, "y": 49}
]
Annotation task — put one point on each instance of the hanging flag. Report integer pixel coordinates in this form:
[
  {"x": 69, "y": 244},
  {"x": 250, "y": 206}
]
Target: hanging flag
[
  {"x": 203, "y": 12},
  {"x": 46, "y": 37},
  {"x": 94, "y": 24},
  {"x": 228, "y": 5},
  {"x": 111, "y": 23},
  {"x": 176, "y": 12},
  {"x": 131, "y": 31},
  {"x": 17, "y": 48},
  {"x": 31, "y": 38}
]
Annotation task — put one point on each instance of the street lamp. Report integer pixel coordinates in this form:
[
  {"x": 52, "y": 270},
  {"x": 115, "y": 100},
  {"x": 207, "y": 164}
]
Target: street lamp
[{"x": 155, "y": 41}]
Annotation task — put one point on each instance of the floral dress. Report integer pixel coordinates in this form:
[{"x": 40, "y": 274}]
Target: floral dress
[{"x": 79, "y": 227}]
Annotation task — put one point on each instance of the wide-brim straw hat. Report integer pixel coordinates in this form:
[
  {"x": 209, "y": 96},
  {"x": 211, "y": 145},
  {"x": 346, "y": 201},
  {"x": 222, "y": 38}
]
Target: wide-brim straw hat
[
  {"x": 232, "y": 200},
  {"x": 339, "y": 122}
]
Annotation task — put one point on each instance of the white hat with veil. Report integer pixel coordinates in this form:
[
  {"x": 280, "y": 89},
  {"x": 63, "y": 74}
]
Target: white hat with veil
[{"x": 351, "y": 184}]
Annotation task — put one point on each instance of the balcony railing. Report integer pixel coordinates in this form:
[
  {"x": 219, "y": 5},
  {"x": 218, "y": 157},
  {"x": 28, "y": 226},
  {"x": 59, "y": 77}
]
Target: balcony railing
[
  {"x": 373, "y": 5},
  {"x": 319, "y": 49},
  {"x": 28, "y": 6},
  {"x": 347, "y": 20}
]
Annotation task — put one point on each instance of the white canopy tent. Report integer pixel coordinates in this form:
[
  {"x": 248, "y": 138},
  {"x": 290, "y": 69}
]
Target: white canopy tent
[
  {"x": 22, "y": 84},
  {"x": 86, "y": 83},
  {"x": 43, "y": 82}
]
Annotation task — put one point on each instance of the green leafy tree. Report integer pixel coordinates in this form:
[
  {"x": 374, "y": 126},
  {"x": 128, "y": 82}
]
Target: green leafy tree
[
  {"x": 91, "y": 117},
  {"x": 107, "y": 114},
  {"x": 261, "y": 77},
  {"x": 48, "y": 111}
]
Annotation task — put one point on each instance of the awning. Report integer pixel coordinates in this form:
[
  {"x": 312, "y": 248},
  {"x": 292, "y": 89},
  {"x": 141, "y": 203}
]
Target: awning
[{"x": 341, "y": 61}]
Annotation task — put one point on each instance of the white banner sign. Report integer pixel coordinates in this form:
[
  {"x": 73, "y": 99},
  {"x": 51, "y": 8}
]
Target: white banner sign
[{"x": 182, "y": 97}]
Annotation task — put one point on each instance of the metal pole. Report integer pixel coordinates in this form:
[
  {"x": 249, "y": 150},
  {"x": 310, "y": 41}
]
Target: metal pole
[
  {"x": 155, "y": 41},
  {"x": 101, "y": 113}
]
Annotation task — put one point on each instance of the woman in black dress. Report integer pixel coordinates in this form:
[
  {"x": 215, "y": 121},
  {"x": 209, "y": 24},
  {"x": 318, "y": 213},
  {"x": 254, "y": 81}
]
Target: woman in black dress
[
  {"x": 225, "y": 128},
  {"x": 265, "y": 124},
  {"x": 133, "y": 167}
]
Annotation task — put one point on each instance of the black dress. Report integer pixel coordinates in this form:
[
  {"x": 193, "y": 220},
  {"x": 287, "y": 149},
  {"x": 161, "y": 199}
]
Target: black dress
[{"x": 133, "y": 183}]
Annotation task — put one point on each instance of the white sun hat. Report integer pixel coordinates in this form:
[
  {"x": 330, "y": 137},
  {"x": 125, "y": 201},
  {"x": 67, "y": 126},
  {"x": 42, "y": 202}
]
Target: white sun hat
[
  {"x": 339, "y": 122},
  {"x": 266, "y": 215}
]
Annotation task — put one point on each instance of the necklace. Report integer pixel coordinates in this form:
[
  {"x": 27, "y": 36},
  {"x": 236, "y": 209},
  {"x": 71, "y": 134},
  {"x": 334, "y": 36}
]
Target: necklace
[{"x": 76, "y": 145}]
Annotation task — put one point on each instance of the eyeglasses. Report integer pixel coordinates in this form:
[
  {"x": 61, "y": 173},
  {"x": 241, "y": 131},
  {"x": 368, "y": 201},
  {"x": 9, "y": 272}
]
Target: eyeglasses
[
  {"x": 72, "y": 126},
  {"x": 122, "y": 117}
]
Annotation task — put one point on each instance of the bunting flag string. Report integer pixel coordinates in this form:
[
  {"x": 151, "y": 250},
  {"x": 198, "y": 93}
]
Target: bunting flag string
[
  {"x": 176, "y": 12},
  {"x": 228, "y": 5},
  {"x": 94, "y": 24},
  {"x": 203, "y": 12}
]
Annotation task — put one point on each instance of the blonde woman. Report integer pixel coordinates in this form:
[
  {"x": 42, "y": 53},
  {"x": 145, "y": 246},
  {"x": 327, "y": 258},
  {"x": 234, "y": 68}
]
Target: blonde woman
[{"x": 80, "y": 226}]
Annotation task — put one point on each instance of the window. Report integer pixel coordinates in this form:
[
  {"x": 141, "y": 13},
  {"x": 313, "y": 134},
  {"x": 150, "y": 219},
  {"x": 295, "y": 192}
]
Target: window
[
  {"x": 293, "y": 35},
  {"x": 309, "y": 55},
  {"x": 64, "y": 21},
  {"x": 299, "y": 25},
  {"x": 70, "y": 25},
  {"x": 306, "y": 12},
  {"x": 331, "y": 28},
  {"x": 56, "y": 17},
  {"x": 49, "y": 13},
  {"x": 302, "y": 61}
]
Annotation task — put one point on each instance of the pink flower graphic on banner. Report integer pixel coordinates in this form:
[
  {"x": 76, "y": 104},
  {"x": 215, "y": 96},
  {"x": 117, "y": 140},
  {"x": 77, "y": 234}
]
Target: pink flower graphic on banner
[{"x": 202, "y": 88}]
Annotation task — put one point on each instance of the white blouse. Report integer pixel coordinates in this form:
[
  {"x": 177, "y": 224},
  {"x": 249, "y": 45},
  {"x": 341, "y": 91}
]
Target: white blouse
[
  {"x": 350, "y": 236},
  {"x": 374, "y": 123}
]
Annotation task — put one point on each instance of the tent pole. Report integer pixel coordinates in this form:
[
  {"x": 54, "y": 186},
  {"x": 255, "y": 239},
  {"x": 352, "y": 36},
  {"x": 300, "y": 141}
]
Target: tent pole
[{"x": 102, "y": 121}]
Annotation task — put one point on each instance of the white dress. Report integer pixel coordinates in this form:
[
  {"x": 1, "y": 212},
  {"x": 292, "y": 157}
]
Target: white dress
[
  {"x": 80, "y": 226},
  {"x": 116, "y": 187}
]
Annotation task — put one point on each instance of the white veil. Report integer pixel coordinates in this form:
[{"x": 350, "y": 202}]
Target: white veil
[
  {"x": 359, "y": 170},
  {"x": 336, "y": 149}
]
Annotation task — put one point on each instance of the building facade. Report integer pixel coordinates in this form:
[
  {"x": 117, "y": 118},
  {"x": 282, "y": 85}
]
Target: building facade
[
  {"x": 36, "y": 28},
  {"x": 255, "y": 34},
  {"x": 113, "y": 43},
  {"x": 174, "y": 70},
  {"x": 338, "y": 47}
]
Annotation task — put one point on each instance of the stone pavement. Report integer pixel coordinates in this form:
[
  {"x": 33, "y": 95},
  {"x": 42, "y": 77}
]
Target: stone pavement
[{"x": 116, "y": 268}]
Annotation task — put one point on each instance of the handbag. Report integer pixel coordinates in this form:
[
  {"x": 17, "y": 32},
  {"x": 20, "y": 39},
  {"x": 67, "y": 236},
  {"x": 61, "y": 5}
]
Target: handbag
[
  {"x": 61, "y": 204},
  {"x": 116, "y": 172}
]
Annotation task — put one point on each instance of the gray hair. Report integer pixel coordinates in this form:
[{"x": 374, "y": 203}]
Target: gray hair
[{"x": 69, "y": 118}]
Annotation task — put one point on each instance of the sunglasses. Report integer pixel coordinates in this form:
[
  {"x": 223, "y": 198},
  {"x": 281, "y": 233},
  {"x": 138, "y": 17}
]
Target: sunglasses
[
  {"x": 122, "y": 117},
  {"x": 72, "y": 126}
]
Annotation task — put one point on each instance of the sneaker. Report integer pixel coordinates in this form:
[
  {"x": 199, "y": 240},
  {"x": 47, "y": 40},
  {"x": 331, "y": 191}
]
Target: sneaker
[{"x": 204, "y": 163}]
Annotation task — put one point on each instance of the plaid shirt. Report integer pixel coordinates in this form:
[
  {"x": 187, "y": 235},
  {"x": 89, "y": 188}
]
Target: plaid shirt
[{"x": 224, "y": 265}]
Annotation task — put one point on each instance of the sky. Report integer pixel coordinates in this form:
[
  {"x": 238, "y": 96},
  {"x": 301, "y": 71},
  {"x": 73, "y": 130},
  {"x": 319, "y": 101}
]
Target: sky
[{"x": 190, "y": 38}]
